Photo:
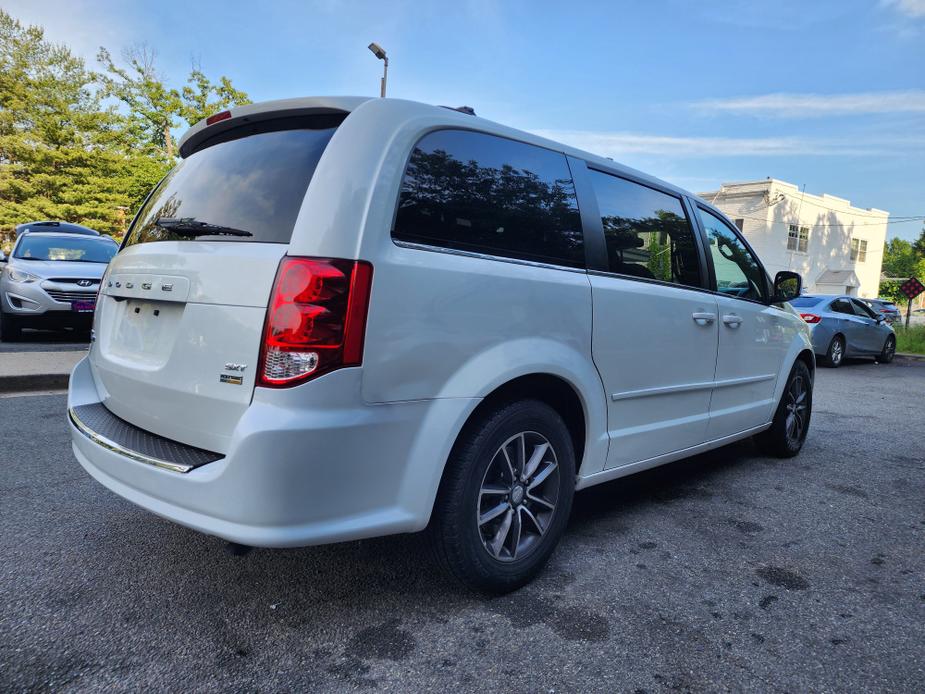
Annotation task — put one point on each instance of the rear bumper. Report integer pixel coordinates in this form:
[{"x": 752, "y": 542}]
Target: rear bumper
[{"x": 307, "y": 465}]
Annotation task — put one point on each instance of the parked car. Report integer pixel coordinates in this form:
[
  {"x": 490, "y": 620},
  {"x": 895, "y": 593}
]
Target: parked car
[
  {"x": 340, "y": 318},
  {"x": 844, "y": 326},
  {"x": 50, "y": 280},
  {"x": 885, "y": 308},
  {"x": 63, "y": 227}
]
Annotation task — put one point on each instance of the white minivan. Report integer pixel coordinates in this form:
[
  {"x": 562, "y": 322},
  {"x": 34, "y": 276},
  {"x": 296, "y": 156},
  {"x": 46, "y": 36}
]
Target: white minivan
[{"x": 340, "y": 318}]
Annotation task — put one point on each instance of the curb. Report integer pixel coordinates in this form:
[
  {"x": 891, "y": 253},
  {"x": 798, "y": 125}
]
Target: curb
[
  {"x": 909, "y": 355},
  {"x": 33, "y": 382}
]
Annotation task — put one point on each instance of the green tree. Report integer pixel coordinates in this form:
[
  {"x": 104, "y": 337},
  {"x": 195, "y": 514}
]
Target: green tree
[
  {"x": 86, "y": 147},
  {"x": 62, "y": 153},
  {"x": 154, "y": 108},
  {"x": 901, "y": 260}
]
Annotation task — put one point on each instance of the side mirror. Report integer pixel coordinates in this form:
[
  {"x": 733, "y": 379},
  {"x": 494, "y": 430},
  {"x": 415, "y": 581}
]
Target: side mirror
[{"x": 787, "y": 286}]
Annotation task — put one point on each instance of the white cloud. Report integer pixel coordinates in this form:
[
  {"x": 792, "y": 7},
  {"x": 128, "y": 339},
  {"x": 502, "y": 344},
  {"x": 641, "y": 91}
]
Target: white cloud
[
  {"x": 785, "y": 105},
  {"x": 910, "y": 8},
  {"x": 620, "y": 144}
]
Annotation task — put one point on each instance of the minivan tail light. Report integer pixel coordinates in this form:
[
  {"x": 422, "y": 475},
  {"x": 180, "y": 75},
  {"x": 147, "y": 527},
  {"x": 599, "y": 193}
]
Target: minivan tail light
[
  {"x": 316, "y": 319},
  {"x": 811, "y": 317}
]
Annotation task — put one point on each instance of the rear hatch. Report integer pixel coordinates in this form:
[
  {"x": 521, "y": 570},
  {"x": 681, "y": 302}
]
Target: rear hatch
[{"x": 182, "y": 307}]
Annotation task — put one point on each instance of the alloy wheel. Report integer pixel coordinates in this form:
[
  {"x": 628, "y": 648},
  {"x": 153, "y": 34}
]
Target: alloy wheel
[
  {"x": 837, "y": 351},
  {"x": 796, "y": 410},
  {"x": 518, "y": 496}
]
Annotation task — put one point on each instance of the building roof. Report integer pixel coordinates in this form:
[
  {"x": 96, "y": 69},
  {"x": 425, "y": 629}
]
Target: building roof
[{"x": 845, "y": 278}]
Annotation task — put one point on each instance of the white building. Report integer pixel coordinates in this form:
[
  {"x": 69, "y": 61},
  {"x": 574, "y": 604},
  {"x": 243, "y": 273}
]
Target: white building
[{"x": 837, "y": 248}]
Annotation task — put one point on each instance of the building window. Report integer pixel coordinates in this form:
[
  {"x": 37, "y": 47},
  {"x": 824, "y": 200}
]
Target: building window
[
  {"x": 798, "y": 238},
  {"x": 859, "y": 250},
  {"x": 740, "y": 223}
]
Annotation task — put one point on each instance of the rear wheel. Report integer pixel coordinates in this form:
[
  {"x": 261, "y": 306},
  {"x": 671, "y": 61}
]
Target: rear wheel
[
  {"x": 791, "y": 420},
  {"x": 10, "y": 328},
  {"x": 836, "y": 352},
  {"x": 889, "y": 350},
  {"x": 505, "y": 497}
]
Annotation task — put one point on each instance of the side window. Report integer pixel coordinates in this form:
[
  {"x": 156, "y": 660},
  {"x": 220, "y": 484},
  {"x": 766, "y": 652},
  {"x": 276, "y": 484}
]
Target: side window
[
  {"x": 737, "y": 270},
  {"x": 862, "y": 310},
  {"x": 647, "y": 233},
  {"x": 476, "y": 192},
  {"x": 841, "y": 306}
]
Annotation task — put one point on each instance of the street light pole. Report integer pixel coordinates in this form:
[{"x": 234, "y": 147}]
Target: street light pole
[{"x": 379, "y": 52}]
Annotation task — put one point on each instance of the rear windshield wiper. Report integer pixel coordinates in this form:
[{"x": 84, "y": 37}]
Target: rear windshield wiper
[{"x": 189, "y": 226}]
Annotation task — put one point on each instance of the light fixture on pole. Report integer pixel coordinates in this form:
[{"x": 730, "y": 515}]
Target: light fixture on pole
[{"x": 379, "y": 52}]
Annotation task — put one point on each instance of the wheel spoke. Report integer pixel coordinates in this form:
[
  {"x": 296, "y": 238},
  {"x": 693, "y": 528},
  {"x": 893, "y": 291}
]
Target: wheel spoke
[
  {"x": 541, "y": 501},
  {"x": 493, "y": 490},
  {"x": 493, "y": 513},
  {"x": 533, "y": 519},
  {"x": 510, "y": 465},
  {"x": 516, "y": 528},
  {"x": 535, "y": 459},
  {"x": 521, "y": 454},
  {"x": 541, "y": 476},
  {"x": 501, "y": 535}
]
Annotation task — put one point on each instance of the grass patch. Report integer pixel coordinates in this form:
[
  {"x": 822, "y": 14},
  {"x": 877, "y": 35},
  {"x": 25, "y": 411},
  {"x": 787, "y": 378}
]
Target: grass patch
[{"x": 911, "y": 339}]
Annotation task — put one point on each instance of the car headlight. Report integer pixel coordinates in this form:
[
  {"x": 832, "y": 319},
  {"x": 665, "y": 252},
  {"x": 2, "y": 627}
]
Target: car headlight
[{"x": 20, "y": 276}]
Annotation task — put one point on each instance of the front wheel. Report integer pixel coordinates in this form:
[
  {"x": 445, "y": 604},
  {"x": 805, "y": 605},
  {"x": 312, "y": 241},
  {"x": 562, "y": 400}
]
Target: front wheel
[
  {"x": 505, "y": 497},
  {"x": 889, "y": 350},
  {"x": 791, "y": 420}
]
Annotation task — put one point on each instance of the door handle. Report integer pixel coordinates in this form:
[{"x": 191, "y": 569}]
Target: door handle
[
  {"x": 701, "y": 318},
  {"x": 732, "y": 320}
]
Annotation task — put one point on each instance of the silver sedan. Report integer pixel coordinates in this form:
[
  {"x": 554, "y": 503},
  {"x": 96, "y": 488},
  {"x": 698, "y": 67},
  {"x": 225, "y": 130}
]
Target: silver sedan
[
  {"x": 843, "y": 326},
  {"x": 50, "y": 280}
]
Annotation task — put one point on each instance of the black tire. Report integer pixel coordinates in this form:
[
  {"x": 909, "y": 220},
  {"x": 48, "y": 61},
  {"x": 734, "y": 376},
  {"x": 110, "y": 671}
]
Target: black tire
[
  {"x": 10, "y": 328},
  {"x": 889, "y": 350},
  {"x": 781, "y": 439},
  {"x": 835, "y": 354},
  {"x": 462, "y": 542}
]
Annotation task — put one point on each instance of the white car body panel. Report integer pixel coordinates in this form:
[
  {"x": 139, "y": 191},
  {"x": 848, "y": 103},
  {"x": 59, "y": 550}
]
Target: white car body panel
[{"x": 360, "y": 451}]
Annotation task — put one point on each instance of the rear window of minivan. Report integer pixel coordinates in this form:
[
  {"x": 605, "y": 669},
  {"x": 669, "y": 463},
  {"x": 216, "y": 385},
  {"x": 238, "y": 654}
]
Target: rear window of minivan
[
  {"x": 476, "y": 192},
  {"x": 251, "y": 179}
]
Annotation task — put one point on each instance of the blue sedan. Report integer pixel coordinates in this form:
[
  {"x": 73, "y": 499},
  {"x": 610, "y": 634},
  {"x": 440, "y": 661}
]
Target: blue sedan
[{"x": 843, "y": 326}]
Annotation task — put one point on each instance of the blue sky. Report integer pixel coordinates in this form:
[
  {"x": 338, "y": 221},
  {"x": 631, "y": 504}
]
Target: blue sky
[{"x": 826, "y": 94}]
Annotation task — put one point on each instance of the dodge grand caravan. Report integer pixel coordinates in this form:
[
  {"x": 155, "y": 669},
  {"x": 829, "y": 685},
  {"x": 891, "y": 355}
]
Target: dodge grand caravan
[{"x": 339, "y": 318}]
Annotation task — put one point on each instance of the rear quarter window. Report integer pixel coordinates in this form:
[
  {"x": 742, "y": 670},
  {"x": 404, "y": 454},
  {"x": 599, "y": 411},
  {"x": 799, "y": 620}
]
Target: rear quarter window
[{"x": 477, "y": 192}]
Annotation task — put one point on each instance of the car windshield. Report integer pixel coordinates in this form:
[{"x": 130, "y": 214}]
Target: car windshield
[
  {"x": 803, "y": 301},
  {"x": 77, "y": 248}
]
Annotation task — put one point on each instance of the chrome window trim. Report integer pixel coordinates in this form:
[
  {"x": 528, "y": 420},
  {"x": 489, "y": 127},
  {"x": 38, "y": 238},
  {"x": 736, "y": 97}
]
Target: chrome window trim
[
  {"x": 485, "y": 256},
  {"x": 121, "y": 450}
]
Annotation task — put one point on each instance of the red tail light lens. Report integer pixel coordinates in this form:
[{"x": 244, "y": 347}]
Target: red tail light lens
[
  {"x": 810, "y": 317},
  {"x": 316, "y": 319},
  {"x": 216, "y": 117}
]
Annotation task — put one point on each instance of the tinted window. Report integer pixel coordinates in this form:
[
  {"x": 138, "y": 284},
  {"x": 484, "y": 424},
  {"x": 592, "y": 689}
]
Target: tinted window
[
  {"x": 862, "y": 310},
  {"x": 254, "y": 182},
  {"x": 647, "y": 233},
  {"x": 841, "y": 306},
  {"x": 487, "y": 194},
  {"x": 80, "y": 248},
  {"x": 737, "y": 270},
  {"x": 804, "y": 301}
]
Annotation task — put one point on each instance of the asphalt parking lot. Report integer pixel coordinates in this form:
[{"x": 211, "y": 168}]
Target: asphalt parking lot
[{"x": 728, "y": 571}]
